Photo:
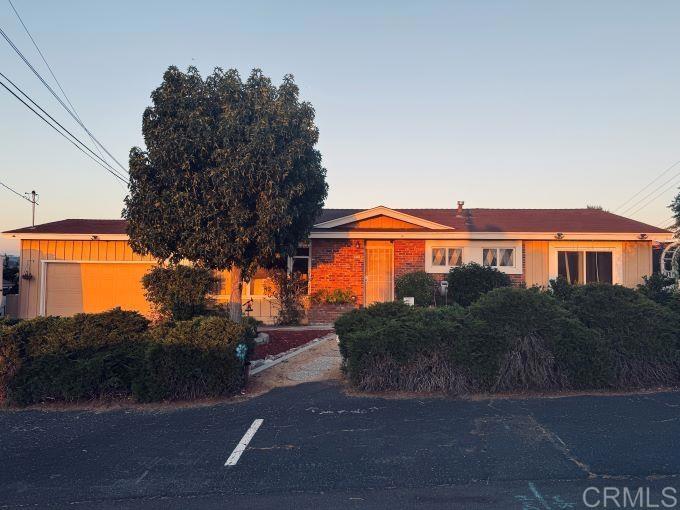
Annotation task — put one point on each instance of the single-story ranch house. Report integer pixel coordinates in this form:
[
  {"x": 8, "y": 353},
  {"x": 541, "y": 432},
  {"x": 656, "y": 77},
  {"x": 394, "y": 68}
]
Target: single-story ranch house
[{"x": 80, "y": 265}]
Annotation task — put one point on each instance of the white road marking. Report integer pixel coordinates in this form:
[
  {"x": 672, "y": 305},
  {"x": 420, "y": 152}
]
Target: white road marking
[{"x": 243, "y": 443}]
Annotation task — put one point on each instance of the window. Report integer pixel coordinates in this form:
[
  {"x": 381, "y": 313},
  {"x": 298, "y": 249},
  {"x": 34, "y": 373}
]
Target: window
[
  {"x": 299, "y": 263},
  {"x": 585, "y": 266},
  {"x": 569, "y": 266},
  {"x": 447, "y": 257},
  {"x": 259, "y": 283},
  {"x": 498, "y": 257},
  {"x": 599, "y": 267}
]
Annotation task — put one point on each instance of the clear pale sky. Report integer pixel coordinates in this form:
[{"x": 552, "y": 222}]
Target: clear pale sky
[{"x": 419, "y": 104}]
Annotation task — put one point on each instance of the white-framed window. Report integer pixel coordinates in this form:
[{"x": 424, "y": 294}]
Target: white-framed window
[
  {"x": 498, "y": 257},
  {"x": 446, "y": 257},
  {"x": 504, "y": 255}
]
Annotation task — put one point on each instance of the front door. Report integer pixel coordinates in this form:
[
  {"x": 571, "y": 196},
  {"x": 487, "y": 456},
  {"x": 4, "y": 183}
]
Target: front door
[{"x": 379, "y": 272}]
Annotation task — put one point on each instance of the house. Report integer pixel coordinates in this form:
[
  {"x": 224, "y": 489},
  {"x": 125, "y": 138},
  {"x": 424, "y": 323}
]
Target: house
[{"x": 78, "y": 265}]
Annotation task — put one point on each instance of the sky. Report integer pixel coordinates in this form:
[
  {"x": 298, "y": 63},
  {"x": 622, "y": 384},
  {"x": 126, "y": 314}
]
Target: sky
[{"x": 419, "y": 104}]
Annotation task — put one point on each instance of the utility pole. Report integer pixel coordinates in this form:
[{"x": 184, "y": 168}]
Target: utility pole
[{"x": 33, "y": 202}]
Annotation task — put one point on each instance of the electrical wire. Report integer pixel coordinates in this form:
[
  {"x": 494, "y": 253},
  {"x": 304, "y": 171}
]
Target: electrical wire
[
  {"x": 654, "y": 198},
  {"x": 649, "y": 184},
  {"x": 49, "y": 67},
  {"x": 62, "y": 134},
  {"x": 56, "y": 96},
  {"x": 15, "y": 192},
  {"x": 75, "y": 138}
]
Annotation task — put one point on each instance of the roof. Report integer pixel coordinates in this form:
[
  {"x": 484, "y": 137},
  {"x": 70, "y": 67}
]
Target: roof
[
  {"x": 472, "y": 220},
  {"x": 75, "y": 226},
  {"x": 520, "y": 220}
]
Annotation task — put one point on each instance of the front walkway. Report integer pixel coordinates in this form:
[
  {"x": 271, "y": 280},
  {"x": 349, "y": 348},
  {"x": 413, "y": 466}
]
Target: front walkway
[{"x": 321, "y": 362}]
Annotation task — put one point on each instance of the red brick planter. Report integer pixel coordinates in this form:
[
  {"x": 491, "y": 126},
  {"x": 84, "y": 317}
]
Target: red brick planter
[{"x": 326, "y": 313}]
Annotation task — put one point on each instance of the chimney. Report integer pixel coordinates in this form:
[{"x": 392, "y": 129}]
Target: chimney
[{"x": 459, "y": 212}]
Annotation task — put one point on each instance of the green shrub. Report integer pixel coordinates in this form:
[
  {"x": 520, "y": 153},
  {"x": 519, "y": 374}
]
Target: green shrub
[
  {"x": 523, "y": 339},
  {"x": 659, "y": 288},
  {"x": 288, "y": 291},
  {"x": 407, "y": 351},
  {"x": 47, "y": 335},
  {"x": 204, "y": 333},
  {"x": 82, "y": 374},
  {"x": 419, "y": 285},
  {"x": 333, "y": 297},
  {"x": 179, "y": 292},
  {"x": 642, "y": 336},
  {"x": 180, "y": 371},
  {"x": 194, "y": 359},
  {"x": 362, "y": 318},
  {"x": 115, "y": 355},
  {"x": 470, "y": 281},
  {"x": 561, "y": 288},
  {"x": 10, "y": 358}
]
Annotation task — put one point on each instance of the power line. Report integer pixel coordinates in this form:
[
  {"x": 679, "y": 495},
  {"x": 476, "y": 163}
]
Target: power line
[
  {"x": 648, "y": 185},
  {"x": 665, "y": 222},
  {"x": 56, "y": 96},
  {"x": 42, "y": 56},
  {"x": 654, "y": 198},
  {"x": 14, "y": 191},
  {"x": 62, "y": 134},
  {"x": 635, "y": 204},
  {"x": 60, "y": 125}
]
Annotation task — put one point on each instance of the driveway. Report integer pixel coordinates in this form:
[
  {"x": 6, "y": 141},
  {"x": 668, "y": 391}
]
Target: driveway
[{"x": 317, "y": 446}]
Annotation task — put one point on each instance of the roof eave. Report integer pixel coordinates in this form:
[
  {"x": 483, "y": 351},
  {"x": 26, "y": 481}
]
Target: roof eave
[{"x": 62, "y": 236}]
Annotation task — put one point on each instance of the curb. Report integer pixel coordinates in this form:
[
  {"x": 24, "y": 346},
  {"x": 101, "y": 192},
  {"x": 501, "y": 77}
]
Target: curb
[{"x": 289, "y": 354}]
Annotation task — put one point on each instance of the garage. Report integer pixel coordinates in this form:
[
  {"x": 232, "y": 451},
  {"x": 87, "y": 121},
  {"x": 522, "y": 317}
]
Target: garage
[{"x": 90, "y": 287}]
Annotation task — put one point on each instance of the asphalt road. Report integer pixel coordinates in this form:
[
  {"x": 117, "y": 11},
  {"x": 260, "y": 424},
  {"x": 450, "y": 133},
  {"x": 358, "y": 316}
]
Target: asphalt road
[{"x": 317, "y": 447}]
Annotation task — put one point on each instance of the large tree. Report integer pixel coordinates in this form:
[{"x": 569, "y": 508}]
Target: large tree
[
  {"x": 230, "y": 178},
  {"x": 675, "y": 209}
]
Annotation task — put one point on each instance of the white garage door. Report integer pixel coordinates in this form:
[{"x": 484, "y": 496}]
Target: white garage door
[{"x": 94, "y": 287}]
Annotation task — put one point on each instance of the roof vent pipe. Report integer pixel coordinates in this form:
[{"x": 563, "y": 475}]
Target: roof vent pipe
[{"x": 459, "y": 212}]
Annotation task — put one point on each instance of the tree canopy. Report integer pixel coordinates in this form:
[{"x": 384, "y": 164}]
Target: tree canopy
[{"x": 230, "y": 176}]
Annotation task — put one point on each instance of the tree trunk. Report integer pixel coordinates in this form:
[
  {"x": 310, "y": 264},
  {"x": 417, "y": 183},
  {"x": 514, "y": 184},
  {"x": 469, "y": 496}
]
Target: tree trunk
[{"x": 235, "y": 307}]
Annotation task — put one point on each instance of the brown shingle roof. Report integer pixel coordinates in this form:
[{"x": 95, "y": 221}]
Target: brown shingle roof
[
  {"x": 520, "y": 220},
  {"x": 75, "y": 226},
  {"x": 473, "y": 220}
]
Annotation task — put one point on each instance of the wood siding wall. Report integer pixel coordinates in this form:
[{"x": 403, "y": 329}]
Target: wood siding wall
[
  {"x": 35, "y": 251},
  {"x": 536, "y": 263},
  {"x": 379, "y": 223},
  {"x": 636, "y": 261}
]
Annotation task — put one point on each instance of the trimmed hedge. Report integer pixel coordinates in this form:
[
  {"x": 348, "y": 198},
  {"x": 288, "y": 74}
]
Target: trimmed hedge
[
  {"x": 641, "y": 336},
  {"x": 365, "y": 318},
  {"x": 419, "y": 285},
  {"x": 514, "y": 339},
  {"x": 523, "y": 339},
  {"x": 380, "y": 343},
  {"x": 116, "y": 355},
  {"x": 467, "y": 283}
]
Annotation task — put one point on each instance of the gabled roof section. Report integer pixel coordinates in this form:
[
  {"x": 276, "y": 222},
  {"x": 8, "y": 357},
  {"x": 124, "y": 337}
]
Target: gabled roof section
[{"x": 353, "y": 216}]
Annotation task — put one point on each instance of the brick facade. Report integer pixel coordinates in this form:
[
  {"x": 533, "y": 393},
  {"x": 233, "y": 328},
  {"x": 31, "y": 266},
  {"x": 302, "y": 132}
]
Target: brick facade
[
  {"x": 338, "y": 264},
  {"x": 409, "y": 256}
]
